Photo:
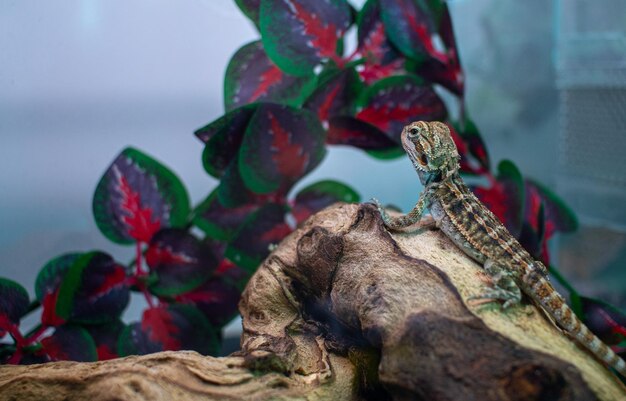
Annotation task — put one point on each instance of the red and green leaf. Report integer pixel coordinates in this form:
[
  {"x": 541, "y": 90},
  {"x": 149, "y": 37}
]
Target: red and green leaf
[
  {"x": 381, "y": 59},
  {"x": 533, "y": 234},
  {"x": 320, "y": 195},
  {"x": 220, "y": 222},
  {"x": 48, "y": 283},
  {"x": 446, "y": 68},
  {"x": 230, "y": 128},
  {"x": 252, "y": 77},
  {"x": 169, "y": 328},
  {"x": 13, "y": 304},
  {"x": 94, "y": 289},
  {"x": 505, "y": 197},
  {"x": 70, "y": 343},
  {"x": 474, "y": 156},
  {"x": 232, "y": 192},
  {"x": 178, "y": 262},
  {"x": 394, "y": 102},
  {"x": 216, "y": 299},
  {"x": 300, "y": 34},
  {"x": 265, "y": 227},
  {"x": 410, "y": 27},
  {"x": 452, "y": 76},
  {"x": 223, "y": 139},
  {"x": 106, "y": 337},
  {"x": 250, "y": 8},
  {"x": 335, "y": 95},
  {"x": 136, "y": 197},
  {"x": 449, "y": 76},
  {"x": 232, "y": 275},
  {"x": 559, "y": 217},
  {"x": 281, "y": 145},
  {"x": 344, "y": 130}
]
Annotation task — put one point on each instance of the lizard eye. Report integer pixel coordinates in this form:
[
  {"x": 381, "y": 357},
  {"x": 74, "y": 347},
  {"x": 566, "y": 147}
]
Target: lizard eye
[{"x": 413, "y": 132}]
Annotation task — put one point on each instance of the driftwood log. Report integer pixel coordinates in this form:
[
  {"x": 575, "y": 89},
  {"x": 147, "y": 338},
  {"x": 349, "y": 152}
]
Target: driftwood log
[{"x": 343, "y": 310}]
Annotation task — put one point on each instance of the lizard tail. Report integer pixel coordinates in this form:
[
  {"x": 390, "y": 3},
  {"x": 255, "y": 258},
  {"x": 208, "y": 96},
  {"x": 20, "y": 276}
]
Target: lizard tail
[{"x": 553, "y": 303}]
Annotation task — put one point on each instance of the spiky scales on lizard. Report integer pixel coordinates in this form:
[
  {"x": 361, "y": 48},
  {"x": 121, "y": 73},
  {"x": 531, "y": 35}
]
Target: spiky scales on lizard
[{"x": 478, "y": 232}]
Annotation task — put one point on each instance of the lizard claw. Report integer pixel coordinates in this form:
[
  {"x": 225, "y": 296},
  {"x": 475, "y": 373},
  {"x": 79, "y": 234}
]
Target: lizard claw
[
  {"x": 378, "y": 205},
  {"x": 496, "y": 294},
  {"x": 376, "y": 202},
  {"x": 381, "y": 210}
]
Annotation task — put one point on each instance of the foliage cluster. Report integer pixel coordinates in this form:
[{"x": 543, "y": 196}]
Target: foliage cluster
[{"x": 287, "y": 97}]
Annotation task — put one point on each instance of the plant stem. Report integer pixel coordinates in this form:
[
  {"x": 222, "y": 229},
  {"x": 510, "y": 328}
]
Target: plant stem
[
  {"x": 34, "y": 334},
  {"x": 139, "y": 273},
  {"x": 138, "y": 255}
]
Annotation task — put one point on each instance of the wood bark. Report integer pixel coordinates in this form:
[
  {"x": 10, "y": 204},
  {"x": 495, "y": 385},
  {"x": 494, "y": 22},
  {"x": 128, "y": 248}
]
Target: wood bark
[{"x": 344, "y": 310}]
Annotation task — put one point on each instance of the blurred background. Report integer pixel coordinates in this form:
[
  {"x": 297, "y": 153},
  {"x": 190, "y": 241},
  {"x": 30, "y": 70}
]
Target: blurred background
[{"x": 82, "y": 79}]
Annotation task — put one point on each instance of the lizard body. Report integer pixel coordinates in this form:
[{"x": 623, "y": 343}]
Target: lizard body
[{"x": 481, "y": 235}]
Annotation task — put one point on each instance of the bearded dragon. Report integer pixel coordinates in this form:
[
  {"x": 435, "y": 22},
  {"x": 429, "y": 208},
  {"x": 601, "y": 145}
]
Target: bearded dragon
[{"x": 478, "y": 232}]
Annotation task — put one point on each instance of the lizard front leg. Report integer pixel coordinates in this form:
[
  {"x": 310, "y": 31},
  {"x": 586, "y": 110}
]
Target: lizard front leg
[
  {"x": 408, "y": 219},
  {"x": 504, "y": 286}
]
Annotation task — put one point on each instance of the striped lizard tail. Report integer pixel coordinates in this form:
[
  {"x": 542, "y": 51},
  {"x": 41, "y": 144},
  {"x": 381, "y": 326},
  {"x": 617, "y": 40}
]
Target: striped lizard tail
[{"x": 554, "y": 304}]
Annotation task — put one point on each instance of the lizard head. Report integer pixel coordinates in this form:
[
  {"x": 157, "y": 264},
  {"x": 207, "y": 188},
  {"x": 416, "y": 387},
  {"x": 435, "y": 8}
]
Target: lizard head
[{"x": 431, "y": 150}]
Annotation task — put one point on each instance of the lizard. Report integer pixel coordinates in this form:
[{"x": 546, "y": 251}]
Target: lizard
[{"x": 472, "y": 227}]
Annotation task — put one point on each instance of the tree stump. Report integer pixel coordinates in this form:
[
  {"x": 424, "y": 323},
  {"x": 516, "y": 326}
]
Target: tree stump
[{"x": 345, "y": 310}]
